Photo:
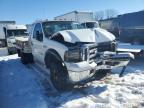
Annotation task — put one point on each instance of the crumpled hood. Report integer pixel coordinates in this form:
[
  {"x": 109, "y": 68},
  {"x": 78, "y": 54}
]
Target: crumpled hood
[
  {"x": 103, "y": 35},
  {"x": 78, "y": 35}
]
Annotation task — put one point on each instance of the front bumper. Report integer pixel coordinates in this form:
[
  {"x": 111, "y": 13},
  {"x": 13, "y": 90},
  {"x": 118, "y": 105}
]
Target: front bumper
[
  {"x": 82, "y": 71},
  {"x": 112, "y": 60}
]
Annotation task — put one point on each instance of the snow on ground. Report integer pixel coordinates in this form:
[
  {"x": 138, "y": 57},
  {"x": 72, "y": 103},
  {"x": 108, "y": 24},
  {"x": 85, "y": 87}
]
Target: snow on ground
[
  {"x": 22, "y": 87},
  {"x": 18, "y": 87}
]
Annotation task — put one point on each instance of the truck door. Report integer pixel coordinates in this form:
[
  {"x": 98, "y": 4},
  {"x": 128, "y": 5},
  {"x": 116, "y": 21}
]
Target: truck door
[{"x": 37, "y": 43}]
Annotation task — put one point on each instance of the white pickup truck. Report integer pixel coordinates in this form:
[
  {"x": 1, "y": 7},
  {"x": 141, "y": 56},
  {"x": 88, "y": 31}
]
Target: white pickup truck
[{"x": 69, "y": 52}]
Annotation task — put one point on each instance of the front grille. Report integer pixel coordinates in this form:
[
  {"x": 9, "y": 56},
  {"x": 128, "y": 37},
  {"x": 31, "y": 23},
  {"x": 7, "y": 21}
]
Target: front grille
[
  {"x": 109, "y": 46},
  {"x": 92, "y": 51}
]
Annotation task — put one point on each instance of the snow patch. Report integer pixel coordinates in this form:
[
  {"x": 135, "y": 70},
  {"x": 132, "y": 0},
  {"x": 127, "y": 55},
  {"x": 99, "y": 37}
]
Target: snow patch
[{"x": 22, "y": 87}]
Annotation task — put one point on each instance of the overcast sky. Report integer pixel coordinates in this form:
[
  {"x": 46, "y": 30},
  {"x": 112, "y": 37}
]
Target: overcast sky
[{"x": 27, "y": 11}]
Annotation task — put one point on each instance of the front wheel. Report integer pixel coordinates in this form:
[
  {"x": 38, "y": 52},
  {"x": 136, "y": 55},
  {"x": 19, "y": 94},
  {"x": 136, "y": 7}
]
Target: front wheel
[{"x": 59, "y": 76}]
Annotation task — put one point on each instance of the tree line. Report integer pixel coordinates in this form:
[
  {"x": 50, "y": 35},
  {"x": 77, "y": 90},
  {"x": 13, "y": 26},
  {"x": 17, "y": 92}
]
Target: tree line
[{"x": 105, "y": 14}]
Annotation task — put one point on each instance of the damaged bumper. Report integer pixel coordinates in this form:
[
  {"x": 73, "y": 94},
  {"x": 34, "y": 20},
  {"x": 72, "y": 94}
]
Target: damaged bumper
[
  {"x": 111, "y": 60},
  {"x": 82, "y": 71}
]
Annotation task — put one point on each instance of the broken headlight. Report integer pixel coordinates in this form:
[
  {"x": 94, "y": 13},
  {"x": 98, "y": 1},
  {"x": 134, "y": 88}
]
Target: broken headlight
[{"x": 75, "y": 55}]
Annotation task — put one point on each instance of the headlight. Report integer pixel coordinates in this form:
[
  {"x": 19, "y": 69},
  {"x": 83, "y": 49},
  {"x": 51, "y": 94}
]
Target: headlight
[{"x": 75, "y": 55}]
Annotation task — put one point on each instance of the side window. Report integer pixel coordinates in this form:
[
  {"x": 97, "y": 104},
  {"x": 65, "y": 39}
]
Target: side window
[{"x": 37, "y": 34}]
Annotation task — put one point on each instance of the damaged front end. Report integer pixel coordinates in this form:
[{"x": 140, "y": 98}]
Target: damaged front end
[
  {"x": 91, "y": 62},
  {"x": 82, "y": 58},
  {"x": 100, "y": 68}
]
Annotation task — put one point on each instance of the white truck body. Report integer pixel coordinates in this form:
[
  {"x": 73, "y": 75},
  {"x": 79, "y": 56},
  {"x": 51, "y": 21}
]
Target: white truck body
[
  {"x": 71, "y": 54},
  {"x": 3, "y": 47},
  {"x": 8, "y": 33},
  {"x": 15, "y": 28},
  {"x": 3, "y": 24}
]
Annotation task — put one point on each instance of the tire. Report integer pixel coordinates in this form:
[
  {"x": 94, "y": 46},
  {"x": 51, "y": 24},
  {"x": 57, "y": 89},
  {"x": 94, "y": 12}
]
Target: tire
[
  {"x": 26, "y": 58},
  {"x": 59, "y": 76}
]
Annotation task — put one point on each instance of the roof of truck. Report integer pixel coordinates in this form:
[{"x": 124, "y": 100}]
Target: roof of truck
[{"x": 11, "y": 27}]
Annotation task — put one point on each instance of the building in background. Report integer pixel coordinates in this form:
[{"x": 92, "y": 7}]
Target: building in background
[
  {"x": 131, "y": 27},
  {"x": 112, "y": 25},
  {"x": 127, "y": 27},
  {"x": 76, "y": 16}
]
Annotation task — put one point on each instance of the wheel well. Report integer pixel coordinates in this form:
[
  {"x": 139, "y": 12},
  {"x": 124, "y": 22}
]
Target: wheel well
[
  {"x": 58, "y": 38},
  {"x": 51, "y": 55}
]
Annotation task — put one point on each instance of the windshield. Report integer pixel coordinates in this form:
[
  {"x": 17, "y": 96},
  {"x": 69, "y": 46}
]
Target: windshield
[
  {"x": 53, "y": 27},
  {"x": 16, "y": 33}
]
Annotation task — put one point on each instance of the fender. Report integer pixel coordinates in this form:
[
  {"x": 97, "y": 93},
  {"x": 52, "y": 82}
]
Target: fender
[{"x": 51, "y": 54}]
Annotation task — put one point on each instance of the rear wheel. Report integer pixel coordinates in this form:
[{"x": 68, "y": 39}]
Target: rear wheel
[{"x": 59, "y": 76}]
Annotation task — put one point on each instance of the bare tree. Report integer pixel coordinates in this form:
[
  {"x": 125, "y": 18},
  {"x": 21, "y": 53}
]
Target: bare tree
[
  {"x": 110, "y": 13},
  {"x": 99, "y": 15},
  {"x": 106, "y": 14}
]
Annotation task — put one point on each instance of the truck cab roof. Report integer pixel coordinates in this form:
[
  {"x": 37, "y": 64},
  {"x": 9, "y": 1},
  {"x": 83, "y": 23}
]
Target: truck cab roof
[{"x": 15, "y": 27}]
